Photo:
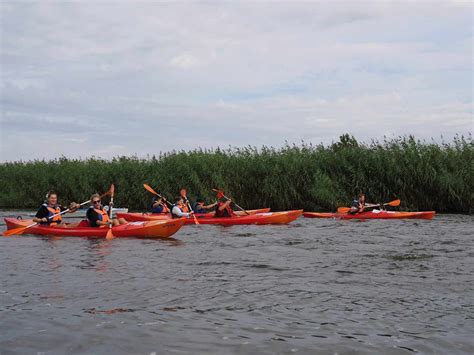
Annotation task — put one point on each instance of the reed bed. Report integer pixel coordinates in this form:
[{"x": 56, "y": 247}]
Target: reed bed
[{"x": 424, "y": 175}]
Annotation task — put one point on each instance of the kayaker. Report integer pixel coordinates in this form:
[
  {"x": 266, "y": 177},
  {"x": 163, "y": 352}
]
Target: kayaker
[
  {"x": 51, "y": 207},
  {"x": 158, "y": 205},
  {"x": 358, "y": 205},
  {"x": 177, "y": 211},
  {"x": 98, "y": 216},
  {"x": 199, "y": 207},
  {"x": 224, "y": 210}
]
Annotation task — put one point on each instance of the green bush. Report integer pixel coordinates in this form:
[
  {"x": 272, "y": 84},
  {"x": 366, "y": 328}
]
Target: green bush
[{"x": 425, "y": 176}]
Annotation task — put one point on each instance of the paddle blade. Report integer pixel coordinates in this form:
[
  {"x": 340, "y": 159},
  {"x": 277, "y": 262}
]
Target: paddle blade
[
  {"x": 394, "y": 203},
  {"x": 10, "y": 232},
  {"x": 147, "y": 187},
  {"x": 112, "y": 189},
  {"x": 109, "y": 235},
  {"x": 183, "y": 193},
  {"x": 219, "y": 193},
  {"x": 343, "y": 209}
]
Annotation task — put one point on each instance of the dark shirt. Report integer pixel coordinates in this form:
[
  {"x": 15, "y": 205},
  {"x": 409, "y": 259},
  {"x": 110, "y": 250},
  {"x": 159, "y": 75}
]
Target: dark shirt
[
  {"x": 44, "y": 212},
  {"x": 355, "y": 203},
  {"x": 198, "y": 209},
  {"x": 159, "y": 208},
  {"x": 92, "y": 216}
]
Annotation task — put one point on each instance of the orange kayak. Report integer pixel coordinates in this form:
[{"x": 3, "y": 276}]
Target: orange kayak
[
  {"x": 148, "y": 229},
  {"x": 160, "y": 216},
  {"x": 258, "y": 218},
  {"x": 376, "y": 214}
]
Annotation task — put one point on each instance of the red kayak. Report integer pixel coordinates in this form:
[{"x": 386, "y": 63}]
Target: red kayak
[
  {"x": 375, "y": 214},
  {"x": 150, "y": 229},
  {"x": 132, "y": 217},
  {"x": 258, "y": 218}
]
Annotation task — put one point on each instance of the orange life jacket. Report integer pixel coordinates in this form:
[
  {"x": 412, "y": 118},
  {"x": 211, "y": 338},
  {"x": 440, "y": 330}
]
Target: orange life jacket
[
  {"x": 165, "y": 208},
  {"x": 52, "y": 211},
  {"x": 185, "y": 208},
  {"x": 103, "y": 216}
]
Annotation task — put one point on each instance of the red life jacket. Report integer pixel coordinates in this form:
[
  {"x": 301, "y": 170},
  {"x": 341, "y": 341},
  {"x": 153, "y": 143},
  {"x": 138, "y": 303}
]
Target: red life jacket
[
  {"x": 165, "y": 208},
  {"x": 226, "y": 212}
]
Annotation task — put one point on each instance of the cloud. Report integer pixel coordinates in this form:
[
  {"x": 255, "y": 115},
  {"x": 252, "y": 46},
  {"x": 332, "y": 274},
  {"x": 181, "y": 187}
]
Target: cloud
[{"x": 152, "y": 77}]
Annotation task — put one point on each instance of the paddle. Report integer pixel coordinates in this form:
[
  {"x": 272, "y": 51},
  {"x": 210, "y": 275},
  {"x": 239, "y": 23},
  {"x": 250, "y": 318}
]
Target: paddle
[
  {"x": 220, "y": 194},
  {"x": 393, "y": 203},
  {"x": 183, "y": 195},
  {"x": 110, "y": 234},
  {"x": 20, "y": 230},
  {"x": 147, "y": 187}
]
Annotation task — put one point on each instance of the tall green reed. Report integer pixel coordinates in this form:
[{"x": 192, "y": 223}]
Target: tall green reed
[{"x": 424, "y": 175}]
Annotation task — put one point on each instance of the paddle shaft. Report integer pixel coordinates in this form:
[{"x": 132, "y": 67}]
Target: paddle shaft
[
  {"x": 110, "y": 234},
  {"x": 183, "y": 195},
  {"x": 235, "y": 204},
  {"x": 147, "y": 187},
  {"x": 391, "y": 203}
]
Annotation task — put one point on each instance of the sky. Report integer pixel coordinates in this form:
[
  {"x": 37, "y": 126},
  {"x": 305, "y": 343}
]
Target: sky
[{"x": 106, "y": 79}]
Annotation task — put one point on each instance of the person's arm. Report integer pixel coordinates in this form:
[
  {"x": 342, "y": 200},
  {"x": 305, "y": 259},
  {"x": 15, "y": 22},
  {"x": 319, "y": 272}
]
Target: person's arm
[
  {"x": 156, "y": 203},
  {"x": 210, "y": 206},
  {"x": 225, "y": 205},
  {"x": 41, "y": 215},
  {"x": 73, "y": 207},
  {"x": 102, "y": 223}
]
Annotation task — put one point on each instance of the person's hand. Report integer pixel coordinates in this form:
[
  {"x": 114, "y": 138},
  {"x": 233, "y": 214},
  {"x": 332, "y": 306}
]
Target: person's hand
[{"x": 44, "y": 219}]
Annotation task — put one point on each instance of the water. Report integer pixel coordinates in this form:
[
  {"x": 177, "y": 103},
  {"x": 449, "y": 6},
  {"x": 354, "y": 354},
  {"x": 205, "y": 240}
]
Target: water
[{"x": 315, "y": 286}]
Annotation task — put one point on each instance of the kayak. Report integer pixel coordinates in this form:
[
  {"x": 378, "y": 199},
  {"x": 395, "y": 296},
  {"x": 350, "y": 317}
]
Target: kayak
[
  {"x": 375, "y": 214},
  {"x": 242, "y": 213},
  {"x": 132, "y": 217},
  {"x": 149, "y": 229},
  {"x": 258, "y": 218}
]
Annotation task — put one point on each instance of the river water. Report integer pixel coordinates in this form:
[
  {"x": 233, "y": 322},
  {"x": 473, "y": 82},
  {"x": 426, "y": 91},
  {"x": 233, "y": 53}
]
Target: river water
[{"x": 312, "y": 287}]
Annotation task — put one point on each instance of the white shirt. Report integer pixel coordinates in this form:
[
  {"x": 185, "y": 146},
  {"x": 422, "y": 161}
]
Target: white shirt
[{"x": 177, "y": 212}]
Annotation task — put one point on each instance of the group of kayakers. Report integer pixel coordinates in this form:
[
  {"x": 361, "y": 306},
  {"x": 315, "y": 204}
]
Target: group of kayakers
[
  {"x": 50, "y": 212},
  {"x": 97, "y": 216}
]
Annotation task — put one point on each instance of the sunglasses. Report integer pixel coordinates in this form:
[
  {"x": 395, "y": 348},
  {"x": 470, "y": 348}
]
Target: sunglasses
[{"x": 98, "y": 201}]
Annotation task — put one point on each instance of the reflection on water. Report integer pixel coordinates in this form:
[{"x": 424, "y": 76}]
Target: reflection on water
[{"x": 389, "y": 287}]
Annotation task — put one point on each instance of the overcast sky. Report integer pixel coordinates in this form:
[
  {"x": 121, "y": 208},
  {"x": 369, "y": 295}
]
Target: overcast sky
[{"x": 116, "y": 78}]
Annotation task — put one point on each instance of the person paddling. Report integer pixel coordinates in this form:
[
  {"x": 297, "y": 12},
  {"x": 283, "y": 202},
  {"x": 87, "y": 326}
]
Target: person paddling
[
  {"x": 51, "y": 207},
  {"x": 97, "y": 216},
  {"x": 199, "y": 207},
  {"x": 224, "y": 210},
  {"x": 359, "y": 205},
  {"x": 158, "y": 205},
  {"x": 177, "y": 211}
]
